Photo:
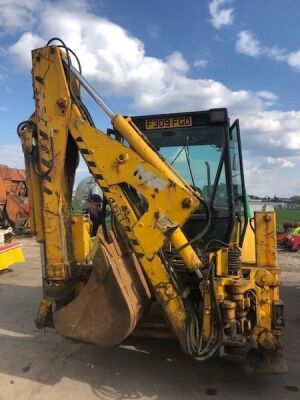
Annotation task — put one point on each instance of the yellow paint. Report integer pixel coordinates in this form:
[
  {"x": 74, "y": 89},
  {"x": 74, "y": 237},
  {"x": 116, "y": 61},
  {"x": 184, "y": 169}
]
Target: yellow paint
[
  {"x": 62, "y": 131},
  {"x": 134, "y": 137},
  {"x": 248, "y": 255},
  {"x": 187, "y": 254},
  {"x": 265, "y": 237},
  {"x": 51, "y": 191},
  {"x": 207, "y": 312},
  {"x": 34, "y": 192},
  {"x": 221, "y": 262},
  {"x": 11, "y": 256},
  {"x": 81, "y": 237},
  {"x": 106, "y": 164},
  {"x": 142, "y": 168}
]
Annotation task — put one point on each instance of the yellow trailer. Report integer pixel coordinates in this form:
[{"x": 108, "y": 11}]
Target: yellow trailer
[{"x": 10, "y": 253}]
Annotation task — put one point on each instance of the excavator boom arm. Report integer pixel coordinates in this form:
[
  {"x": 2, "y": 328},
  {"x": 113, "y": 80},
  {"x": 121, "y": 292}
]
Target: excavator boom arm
[{"x": 59, "y": 128}]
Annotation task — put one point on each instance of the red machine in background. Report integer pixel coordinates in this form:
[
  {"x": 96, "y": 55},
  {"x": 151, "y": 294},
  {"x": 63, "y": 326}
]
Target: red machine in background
[
  {"x": 290, "y": 238},
  {"x": 14, "y": 207},
  {"x": 289, "y": 241}
]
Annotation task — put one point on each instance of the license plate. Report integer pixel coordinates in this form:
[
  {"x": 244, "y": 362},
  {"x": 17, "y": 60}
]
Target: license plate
[{"x": 166, "y": 123}]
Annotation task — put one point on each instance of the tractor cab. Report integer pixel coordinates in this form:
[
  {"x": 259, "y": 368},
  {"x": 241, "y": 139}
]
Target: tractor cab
[{"x": 206, "y": 151}]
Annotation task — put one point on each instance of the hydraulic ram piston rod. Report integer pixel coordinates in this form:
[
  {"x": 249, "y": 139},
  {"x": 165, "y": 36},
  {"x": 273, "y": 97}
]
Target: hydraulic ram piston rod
[
  {"x": 90, "y": 90},
  {"x": 132, "y": 136}
]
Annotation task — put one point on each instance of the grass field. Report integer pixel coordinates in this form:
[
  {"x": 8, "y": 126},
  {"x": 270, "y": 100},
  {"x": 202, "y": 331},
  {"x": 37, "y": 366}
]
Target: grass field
[{"x": 286, "y": 215}]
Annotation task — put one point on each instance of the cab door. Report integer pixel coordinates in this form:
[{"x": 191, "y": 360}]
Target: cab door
[{"x": 241, "y": 207}]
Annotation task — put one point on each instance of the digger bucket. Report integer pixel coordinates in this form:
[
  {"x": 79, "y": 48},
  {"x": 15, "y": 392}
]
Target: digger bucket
[{"x": 109, "y": 306}]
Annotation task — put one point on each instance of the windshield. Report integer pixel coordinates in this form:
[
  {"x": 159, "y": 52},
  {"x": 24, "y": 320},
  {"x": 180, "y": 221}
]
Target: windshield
[
  {"x": 203, "y": 160},
  {"x": 197, "y": 154}
]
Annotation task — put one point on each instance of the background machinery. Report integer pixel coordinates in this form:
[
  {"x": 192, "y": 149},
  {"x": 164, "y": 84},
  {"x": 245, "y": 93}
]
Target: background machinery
[
  {"x": 290, "y": 238},
  {"x": 14, "y": 208},
  {"x": 180, "y": 237}
]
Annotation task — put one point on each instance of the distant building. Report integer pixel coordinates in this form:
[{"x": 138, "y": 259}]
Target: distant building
[
  {"x": 281, "y": 202},
  {"x": 275, "y": 202},
  {"x": 259, "y": 205}
]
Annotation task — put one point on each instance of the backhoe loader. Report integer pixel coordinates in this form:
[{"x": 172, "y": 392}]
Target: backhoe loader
[{"x": 181, "y": 238}]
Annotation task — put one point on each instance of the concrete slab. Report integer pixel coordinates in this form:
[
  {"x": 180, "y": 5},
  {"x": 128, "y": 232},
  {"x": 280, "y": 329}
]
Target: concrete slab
[{"x": 38, "y": 364}]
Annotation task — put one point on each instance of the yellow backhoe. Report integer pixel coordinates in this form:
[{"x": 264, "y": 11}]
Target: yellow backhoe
[{"x": 181, "y": 238}]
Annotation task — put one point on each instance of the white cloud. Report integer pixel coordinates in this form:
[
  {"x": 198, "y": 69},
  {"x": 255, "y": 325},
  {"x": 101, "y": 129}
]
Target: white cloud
[
  {"x": 274, "y": 134},
  {"x": 293, "y": 60},
  {"x": 176, "y": 62},
  {"x": 16, "y": 15},
  {"x": 117, "y": 64},
  {"x": 109, "y": 54},
  {"x": 220, "y": 14},
  {"x": 279, "y": 162},
  {"x": 267, "y": 95},
  {"x": 184, "y": 93},
  {"x": 3, "y": 109},
  {"x": 6, "y": 152},
  {"x": 247, "y": 44},
  {"x": 200, "y": 63},
  {"x": 22, "y": 48},
  {"x": 264, "y": 179},
  {"x": 275, "y": 53}
]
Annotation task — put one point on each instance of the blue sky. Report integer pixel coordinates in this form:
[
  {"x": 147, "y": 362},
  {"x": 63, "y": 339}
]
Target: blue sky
[{"x": 165, "y": 56}]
